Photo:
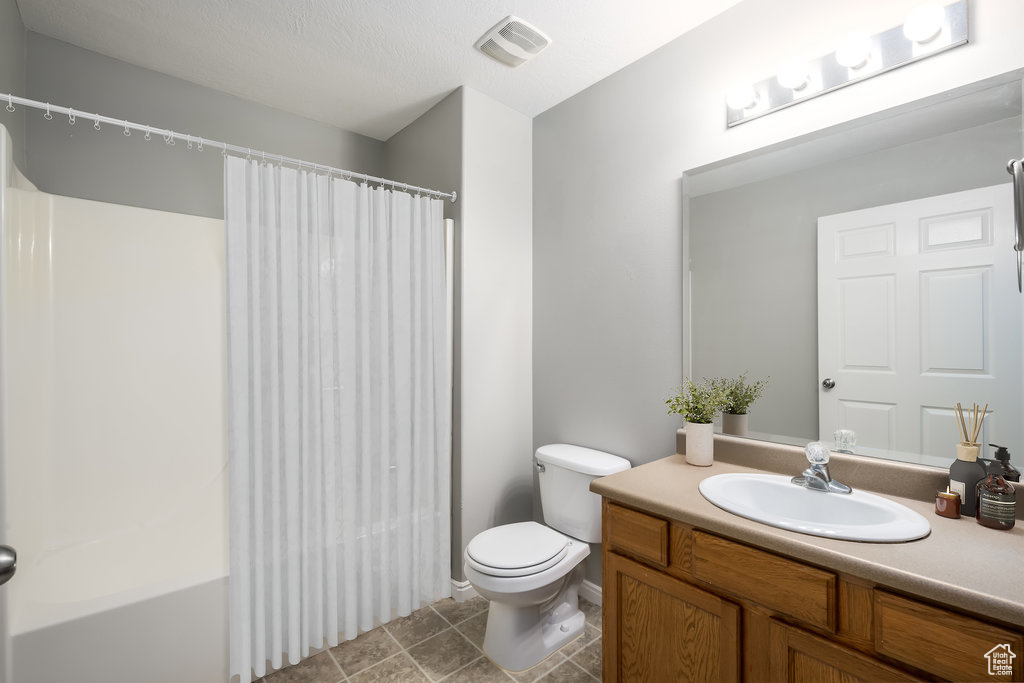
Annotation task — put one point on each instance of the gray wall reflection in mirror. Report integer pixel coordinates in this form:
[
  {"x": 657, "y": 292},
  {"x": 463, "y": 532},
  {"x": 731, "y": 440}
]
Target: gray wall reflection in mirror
[{"x": 752, "y": 235}]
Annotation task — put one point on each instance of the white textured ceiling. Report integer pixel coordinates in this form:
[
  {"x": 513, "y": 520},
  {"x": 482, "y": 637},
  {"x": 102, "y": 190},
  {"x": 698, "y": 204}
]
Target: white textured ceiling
[{"x": 368, "y": 66}]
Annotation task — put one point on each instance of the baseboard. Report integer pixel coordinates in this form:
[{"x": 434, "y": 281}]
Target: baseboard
[
  {"x": 590, "y": 591},
  {"x": 462, "y": 591}
]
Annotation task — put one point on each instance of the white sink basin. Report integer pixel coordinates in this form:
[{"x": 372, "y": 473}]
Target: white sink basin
[{"x": 772, "y": 499}]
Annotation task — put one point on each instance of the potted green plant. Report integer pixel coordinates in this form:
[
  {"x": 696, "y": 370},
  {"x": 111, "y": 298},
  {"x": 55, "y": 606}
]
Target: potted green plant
[
  {"x": 739, "y": 396},
  {"x": 698, "y": 403}
]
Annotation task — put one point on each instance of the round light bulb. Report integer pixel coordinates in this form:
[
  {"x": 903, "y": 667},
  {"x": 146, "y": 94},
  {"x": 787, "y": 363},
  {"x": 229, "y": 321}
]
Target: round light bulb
[
  {"x": 924, "y": 23},
  {"x": 793, "y": 74},
  {"x": 741, "y": 96},
  {"x": 854, "y": 50}
]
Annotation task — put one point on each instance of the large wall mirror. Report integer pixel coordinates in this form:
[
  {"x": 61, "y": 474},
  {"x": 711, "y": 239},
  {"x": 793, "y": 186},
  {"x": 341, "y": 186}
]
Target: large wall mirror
[{"x": 877, "y": 257}]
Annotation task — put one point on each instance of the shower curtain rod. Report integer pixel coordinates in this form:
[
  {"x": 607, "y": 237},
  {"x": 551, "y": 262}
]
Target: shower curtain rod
[{"x": 169, "y": 136}]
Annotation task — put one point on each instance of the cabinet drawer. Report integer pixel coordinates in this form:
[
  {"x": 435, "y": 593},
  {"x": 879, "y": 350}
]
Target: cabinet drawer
[
  {"x": 788, "y": 587},
  {"x": 941, "y": 642},
  {"x": 637, "y": 534}
]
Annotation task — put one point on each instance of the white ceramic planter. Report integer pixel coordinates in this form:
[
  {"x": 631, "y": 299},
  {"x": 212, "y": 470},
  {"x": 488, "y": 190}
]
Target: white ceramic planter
[
  {"x": 734, "y": 424},
  {"x": 700, "y": 444}
]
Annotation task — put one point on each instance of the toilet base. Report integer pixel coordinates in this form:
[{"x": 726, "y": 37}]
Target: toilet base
[{"x": 518, "y": 638}]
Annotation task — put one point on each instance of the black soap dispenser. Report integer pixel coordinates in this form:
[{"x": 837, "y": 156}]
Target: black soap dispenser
[{"x": 1002, "y": 464}]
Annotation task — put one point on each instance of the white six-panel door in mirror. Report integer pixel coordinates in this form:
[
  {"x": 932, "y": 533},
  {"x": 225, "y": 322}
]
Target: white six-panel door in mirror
[{"x": 917, "y": 310}]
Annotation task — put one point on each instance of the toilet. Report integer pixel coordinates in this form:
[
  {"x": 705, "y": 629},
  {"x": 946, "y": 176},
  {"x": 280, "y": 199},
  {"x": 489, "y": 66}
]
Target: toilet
[{"x": 532, "y": 572}]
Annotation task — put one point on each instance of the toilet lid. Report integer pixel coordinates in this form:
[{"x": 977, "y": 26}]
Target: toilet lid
[{"x": 516, "y": 549}]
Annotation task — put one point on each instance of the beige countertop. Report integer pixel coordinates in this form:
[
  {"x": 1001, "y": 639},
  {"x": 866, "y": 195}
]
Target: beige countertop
[{"x": 961, "y": 563}]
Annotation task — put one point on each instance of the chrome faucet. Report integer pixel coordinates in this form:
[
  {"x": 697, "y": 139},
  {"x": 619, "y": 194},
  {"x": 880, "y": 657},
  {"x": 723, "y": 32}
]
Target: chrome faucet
[{"x": 816, "y": 477}]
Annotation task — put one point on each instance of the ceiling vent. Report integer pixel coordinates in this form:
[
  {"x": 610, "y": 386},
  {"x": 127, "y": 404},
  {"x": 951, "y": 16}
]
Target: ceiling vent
[{"x": 512, "y": 41}]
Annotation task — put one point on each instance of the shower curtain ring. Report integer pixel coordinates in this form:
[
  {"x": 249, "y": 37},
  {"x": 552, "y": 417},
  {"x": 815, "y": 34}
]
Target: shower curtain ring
[
  {"x": 10, "y": 103},
  {"x": 96, "y": 124},
  {"x": 147, "y": 135},
  {"x": 200, "y": 145},
  {"x": 48, "y": 116},
  {"x": 127, "y": 133},
  {"x": 71, "y": 116},
  {"x": 188, "y": 139}
]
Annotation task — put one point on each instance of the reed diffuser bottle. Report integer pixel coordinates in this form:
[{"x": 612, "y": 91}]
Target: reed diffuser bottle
[{"x": 966, "y": 471}]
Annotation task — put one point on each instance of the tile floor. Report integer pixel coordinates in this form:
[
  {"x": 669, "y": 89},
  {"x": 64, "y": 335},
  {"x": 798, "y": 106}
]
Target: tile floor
[{"x": 441, "y": 642}]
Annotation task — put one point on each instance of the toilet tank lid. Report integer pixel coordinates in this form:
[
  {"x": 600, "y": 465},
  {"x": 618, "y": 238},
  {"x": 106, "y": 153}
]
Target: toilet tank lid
[{"x": 582, "y": 460}]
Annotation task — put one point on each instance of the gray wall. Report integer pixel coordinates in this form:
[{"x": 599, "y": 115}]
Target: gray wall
[
  {"x": 12, "y": 74},
  {"x": 608, "y": 162},
  {"x": 753, "y": 259},
  {"x": 606, "y": 267},
  {"x": 428, "y": 153},
  {"x": 105, "y": 165}
]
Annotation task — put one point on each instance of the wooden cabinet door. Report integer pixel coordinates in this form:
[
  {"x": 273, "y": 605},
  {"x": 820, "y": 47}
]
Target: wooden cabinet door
[
  {"x": 657, "y": 628},
  {"x": 800, "y": 657}
]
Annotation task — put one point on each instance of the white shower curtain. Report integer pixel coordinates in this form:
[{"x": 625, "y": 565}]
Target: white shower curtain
[{"x": 339, "y": 409}]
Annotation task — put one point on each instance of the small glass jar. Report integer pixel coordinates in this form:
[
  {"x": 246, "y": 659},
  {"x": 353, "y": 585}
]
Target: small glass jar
[
  {"x": 947, "y": 504},
  {"x": 996, "y": 502}
]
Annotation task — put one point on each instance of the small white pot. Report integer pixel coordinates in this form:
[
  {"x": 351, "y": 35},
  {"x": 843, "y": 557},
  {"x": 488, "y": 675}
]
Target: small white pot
[
  {"x": 734, "y": 424},
  {"x": 700, "y": 444}
]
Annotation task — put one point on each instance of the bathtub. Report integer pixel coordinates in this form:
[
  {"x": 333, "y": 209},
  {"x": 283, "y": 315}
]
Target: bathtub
[
  {"x": 114, "y": 446},
  {"x": 171, "y": 631}
]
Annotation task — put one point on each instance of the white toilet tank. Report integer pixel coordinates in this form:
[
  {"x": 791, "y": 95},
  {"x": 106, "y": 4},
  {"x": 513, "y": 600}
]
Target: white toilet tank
[{"x": 565, "y": 496}]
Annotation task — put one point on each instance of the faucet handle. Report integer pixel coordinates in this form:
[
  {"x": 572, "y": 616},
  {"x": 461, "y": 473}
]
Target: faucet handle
[{"x": 817, "y": 453}]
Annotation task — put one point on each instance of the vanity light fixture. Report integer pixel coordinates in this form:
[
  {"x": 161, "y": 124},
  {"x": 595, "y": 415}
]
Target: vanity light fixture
[
  {"x": 929, "y": 30},
  {"x": 741, "y": 96},
  {"x": 854, "y": 50},
  {"x": 924, "y": 23},
  {"x": 794, "y": 74}
]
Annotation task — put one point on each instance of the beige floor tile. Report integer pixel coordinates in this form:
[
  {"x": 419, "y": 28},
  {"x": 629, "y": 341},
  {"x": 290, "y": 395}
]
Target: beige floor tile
[
  {"x": 397, "y": 669},
  {"x": 368, "y": 649},
  {"x": 589, "y": 658},
  {"x": 567, "y": 672},
  {"x": 417, "y": 627},
  {"x": 316, "y": 669},
  {"x": 482, "y": 670},
  {"x": 474, "y": 628},
  {"x": 444, "y": 653},
  {"x": 456, "y": 612}
]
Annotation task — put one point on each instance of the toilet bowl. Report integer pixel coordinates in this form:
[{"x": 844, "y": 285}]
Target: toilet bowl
[{"x": 532, "y": 573}]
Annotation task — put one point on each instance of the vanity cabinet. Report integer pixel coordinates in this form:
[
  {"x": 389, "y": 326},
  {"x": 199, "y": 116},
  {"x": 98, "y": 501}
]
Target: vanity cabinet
[
  {"x": 682, "y": 604},
  {"x": 645, "y": 600}
]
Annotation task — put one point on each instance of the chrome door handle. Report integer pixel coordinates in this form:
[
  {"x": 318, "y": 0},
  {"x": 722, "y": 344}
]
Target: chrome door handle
[
  {"x": 828, "y": 383},
  {"x": 8, "y": 563}
]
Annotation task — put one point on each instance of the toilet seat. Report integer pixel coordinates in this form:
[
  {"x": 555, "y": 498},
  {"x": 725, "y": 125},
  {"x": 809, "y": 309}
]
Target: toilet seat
[{"x": 519, "y": 549}]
